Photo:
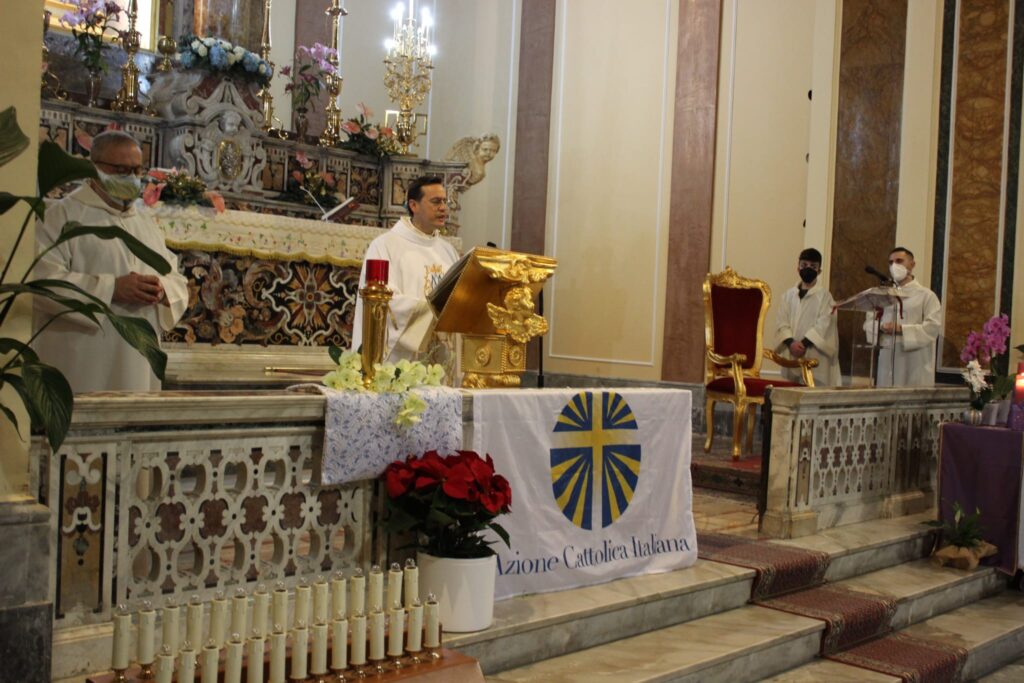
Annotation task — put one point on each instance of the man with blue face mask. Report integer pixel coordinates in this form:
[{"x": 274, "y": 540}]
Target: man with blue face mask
[
  {"x": 913, "y": 328},
  {"x": 97, "y": 358}
]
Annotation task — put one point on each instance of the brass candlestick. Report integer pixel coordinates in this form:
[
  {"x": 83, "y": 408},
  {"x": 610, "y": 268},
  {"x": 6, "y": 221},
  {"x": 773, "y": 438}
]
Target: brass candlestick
[
  {"x": 50, "y": 82},
  {"x": 127, "y": 99},
  {"x": 407, "y": 69},
  {"x": 332, "y": 129},
  {"x": 376, "y": 298},
  {"x": 266, "y": 99}
]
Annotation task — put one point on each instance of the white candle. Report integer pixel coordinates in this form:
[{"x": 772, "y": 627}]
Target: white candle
[
  {"x": 396, "y": 628},
  {"x": 415, "y": 626},
  {"x": 301, "y": 604},
  {"x": 300, "y": 650},
  {"x": 338, "y": 596},
  {"x": 339, "y": 646},
  {"x": 432, "y": 638},
  {"x": 240, "y": 612},
  {"x": 218, "y": 619},
  {"x": 211, "y": 657},
  {"x": 358, "y": 657},
  {"x": 147, "y": 633},
  {"x": 412, "y": 582},
  {"x": 164, "y": 665},
  {"x": 395, "y": 579},
  {"x": 171, "y": 627},
  {"x": 318, "y": 665},
  {"x": 254, "y": 668},
  {"x": 376, "y": 589},
  {"x": 376, "y": 635},
  {"x": 121, "y": 657},
  {"x": 187, "y": 667},
  {"x": 277, "y": 648},
  {"x": 233, "y": 665},
  {"x": 320, "y": 601},
  {"x": 260, "y": 606},
  {"x": 194, "y": 622},
  {"x": 357, "y": 594},
  {"x": 279, "y": 610}
]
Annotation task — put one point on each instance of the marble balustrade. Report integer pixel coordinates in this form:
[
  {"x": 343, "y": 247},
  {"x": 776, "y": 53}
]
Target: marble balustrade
[{"x": 840, "y": 456}]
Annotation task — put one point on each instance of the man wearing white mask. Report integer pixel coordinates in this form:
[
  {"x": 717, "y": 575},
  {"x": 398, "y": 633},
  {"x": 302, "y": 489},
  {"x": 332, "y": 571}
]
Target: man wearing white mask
[
  {"x": 97, "y": 358},
  {"x": 807, "y": 325},
  {"x": 913, "y": 327}
]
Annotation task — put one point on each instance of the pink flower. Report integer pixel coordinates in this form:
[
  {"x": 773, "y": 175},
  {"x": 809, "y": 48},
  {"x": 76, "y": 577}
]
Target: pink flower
[
  {"x": 329, "y": 179},
  {"x": 216, "y": 199},
  {"x": 387, "y": 132},
  {"x": 303, "y": 160},
  {"x": 298, "y": 176},
  {"x": 159, "y": 173},
  {"x": 364, "y": 110},
  {"x": 151, "y": 195},
  {"x": 286, "y": 70},
  {"x": 351, "y": 127},
  {"x": 372, "y": 133}
]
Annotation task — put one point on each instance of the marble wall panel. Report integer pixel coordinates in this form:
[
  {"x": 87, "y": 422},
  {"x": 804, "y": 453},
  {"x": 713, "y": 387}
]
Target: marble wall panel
[
  {"x": 867, "y": 147},
  {"x": 978, "y": 137}
]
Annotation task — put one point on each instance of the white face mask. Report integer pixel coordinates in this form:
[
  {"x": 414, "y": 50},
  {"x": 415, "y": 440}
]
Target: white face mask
[
  {"x": 123, "y": 187},
  {"x": 898, "y": 271}
]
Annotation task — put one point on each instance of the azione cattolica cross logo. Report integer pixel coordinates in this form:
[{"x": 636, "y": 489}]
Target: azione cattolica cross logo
[{"x": 595, "y": 469}]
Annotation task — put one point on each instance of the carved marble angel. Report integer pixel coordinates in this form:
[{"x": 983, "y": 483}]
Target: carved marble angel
[{"x": 476, "y": 152}]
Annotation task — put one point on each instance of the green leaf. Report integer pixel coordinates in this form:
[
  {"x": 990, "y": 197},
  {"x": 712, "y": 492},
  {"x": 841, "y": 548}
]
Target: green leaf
[
  {"x": 500, "y": 530},
  {"x": 154, "y": 260},
  {"x": 57, "y": 167},
  {"x": 335, "y": 353},
  {"x": 139, "y": 333},
  {"x": 50, "y": 394},
  {"x": 12, "y": 140},
  {"x": 8, "y": 345},
  {"x": 8, "y": 201},
  {"x": 14, "y": 420},
  {"x": 89, "y": 310}
]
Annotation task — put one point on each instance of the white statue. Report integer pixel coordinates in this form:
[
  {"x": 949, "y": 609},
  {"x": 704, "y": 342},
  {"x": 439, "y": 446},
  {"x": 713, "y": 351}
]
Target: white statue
[{"x": 476, "y": 152}]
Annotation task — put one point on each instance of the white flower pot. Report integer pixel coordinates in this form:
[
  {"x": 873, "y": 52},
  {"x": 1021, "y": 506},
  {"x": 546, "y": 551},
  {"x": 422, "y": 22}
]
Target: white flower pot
[{"x": 464, "y": 590}]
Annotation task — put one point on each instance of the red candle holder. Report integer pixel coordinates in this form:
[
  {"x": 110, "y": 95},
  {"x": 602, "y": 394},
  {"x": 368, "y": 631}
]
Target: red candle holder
[
  {"x": 377, "y": 270},
  {"x": 1018, "y": 385}
]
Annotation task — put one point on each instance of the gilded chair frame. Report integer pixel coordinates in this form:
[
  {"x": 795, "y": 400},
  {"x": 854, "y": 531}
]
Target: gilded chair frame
[{"x": 717, "y": 365}]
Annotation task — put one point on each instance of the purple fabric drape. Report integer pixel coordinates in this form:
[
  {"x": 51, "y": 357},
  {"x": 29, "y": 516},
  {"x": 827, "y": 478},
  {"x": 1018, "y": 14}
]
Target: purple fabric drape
[{"x": 981, "y": 468}]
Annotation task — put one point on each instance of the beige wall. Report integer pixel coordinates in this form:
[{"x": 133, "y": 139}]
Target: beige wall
[
  {"x": 764, "y": 137},
  {"x": 607, "y": 217},
  {"x": 21, "y": 35},
  {"x": 282, "y": 51}
]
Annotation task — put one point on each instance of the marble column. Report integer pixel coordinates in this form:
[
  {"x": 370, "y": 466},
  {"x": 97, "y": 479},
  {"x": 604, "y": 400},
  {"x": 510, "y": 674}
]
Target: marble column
[{"x": 693, "y": 175}]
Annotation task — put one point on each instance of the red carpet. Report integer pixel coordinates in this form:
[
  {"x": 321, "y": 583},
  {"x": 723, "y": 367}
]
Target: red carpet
[
  {"x": 850, "y": 617},
  {"x": 912, "y": 659},
  {"x": 780, "y": 569}
]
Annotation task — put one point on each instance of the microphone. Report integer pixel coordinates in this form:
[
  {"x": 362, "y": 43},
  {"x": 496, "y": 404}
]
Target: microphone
[{"x": 882, "y": 277}]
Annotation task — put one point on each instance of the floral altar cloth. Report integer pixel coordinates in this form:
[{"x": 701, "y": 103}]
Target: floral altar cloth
[{"x": 361, "y": 437}]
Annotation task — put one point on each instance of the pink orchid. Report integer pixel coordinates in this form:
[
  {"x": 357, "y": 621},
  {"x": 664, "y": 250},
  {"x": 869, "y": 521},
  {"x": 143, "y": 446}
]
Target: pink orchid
[
  {"x": 303, "y": 160},
  {"x": 286, "y": 70},
  {"x": 372, "y": 133},
  {"x": 216, "y": 199},
  {"x": 151, "y": 195},
  {"x": 364, "y": 110},
  {"x": 351, "y": 127}
]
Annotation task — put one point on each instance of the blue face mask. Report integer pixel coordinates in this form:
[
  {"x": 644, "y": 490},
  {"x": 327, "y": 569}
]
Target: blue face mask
[{"x": 123, "y": 187}]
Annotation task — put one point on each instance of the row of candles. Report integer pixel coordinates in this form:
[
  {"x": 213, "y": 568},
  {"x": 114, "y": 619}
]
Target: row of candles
[{"x": 340, "y": 604}]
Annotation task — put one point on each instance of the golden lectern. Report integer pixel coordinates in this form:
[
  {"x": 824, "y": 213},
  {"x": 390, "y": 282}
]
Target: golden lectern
[{"x": 488, "y": 298}]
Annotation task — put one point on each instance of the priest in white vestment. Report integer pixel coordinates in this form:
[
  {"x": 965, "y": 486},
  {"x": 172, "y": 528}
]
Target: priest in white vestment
[
  {"x": 807, "y": 325},
  {"x": 97, "y": 358},
  {"x": 913, "y": 327},
  {"x": 418, "y": 257}
]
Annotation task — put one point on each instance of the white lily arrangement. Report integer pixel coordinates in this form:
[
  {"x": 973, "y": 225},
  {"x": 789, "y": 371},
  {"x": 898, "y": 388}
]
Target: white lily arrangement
[
  {"x": 974, "y": 375},
  {"x": 389, "y": 378}
]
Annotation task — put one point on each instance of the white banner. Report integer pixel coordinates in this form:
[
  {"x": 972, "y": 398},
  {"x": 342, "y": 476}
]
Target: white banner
[{"x": 600, "y": 483}]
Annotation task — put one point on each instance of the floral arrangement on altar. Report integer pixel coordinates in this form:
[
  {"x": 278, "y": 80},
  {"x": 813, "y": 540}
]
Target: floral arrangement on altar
[
  {"x": 217, "y": 54},
  {"x": 310, "y": 186},
  {"x": 448, "y": 502},
  {"x": 89, "y": 21},
  {"x": 988, "y": 348},
  {"x": 309, "y": 75},
  {"x": 389, "y": 378},
  {"x": 368, "y": 138},
  {"x": 177, "y": 187}
]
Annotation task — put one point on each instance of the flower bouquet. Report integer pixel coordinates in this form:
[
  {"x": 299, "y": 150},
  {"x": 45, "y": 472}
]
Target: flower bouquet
[
  {"x": 308, "y": 185},
  {"x": 447, "y": 502},
  {"x": 368, "y": 138},
  {"x": 988, "y": 347},
  {"x": 89, "y": 21},
  {"x": 309, "y": 76},
  {"x": 219, "y": 55},
  {"x": 177, "y": 187}
]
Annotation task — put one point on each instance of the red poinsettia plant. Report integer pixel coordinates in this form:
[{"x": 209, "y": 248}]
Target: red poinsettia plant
[{"x": 447, "y": 501}]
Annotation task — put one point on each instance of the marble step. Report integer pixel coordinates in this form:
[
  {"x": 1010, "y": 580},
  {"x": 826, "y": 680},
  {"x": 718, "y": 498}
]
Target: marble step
[
  {"x": 991, "y": 630},
  {"x": 720, "y": 646},
  {"x": 537, "y": 627}
]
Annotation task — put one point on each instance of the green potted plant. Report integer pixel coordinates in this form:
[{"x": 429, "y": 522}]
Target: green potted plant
[
  {"x": 41, "y": 388},
  {"x": 964, "y": 545}
]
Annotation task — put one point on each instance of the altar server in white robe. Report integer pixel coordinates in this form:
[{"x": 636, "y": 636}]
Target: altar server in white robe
[
  {"x": 97, "y": 358},
  {"x": 913, "y": 327},
  {"x": 807, "y": 325},
  {"x": 418, "y": 257}
]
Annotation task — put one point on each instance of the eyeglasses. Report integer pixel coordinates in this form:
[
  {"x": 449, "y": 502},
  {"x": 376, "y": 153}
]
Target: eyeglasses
[{"x": 120, "y": 169}]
